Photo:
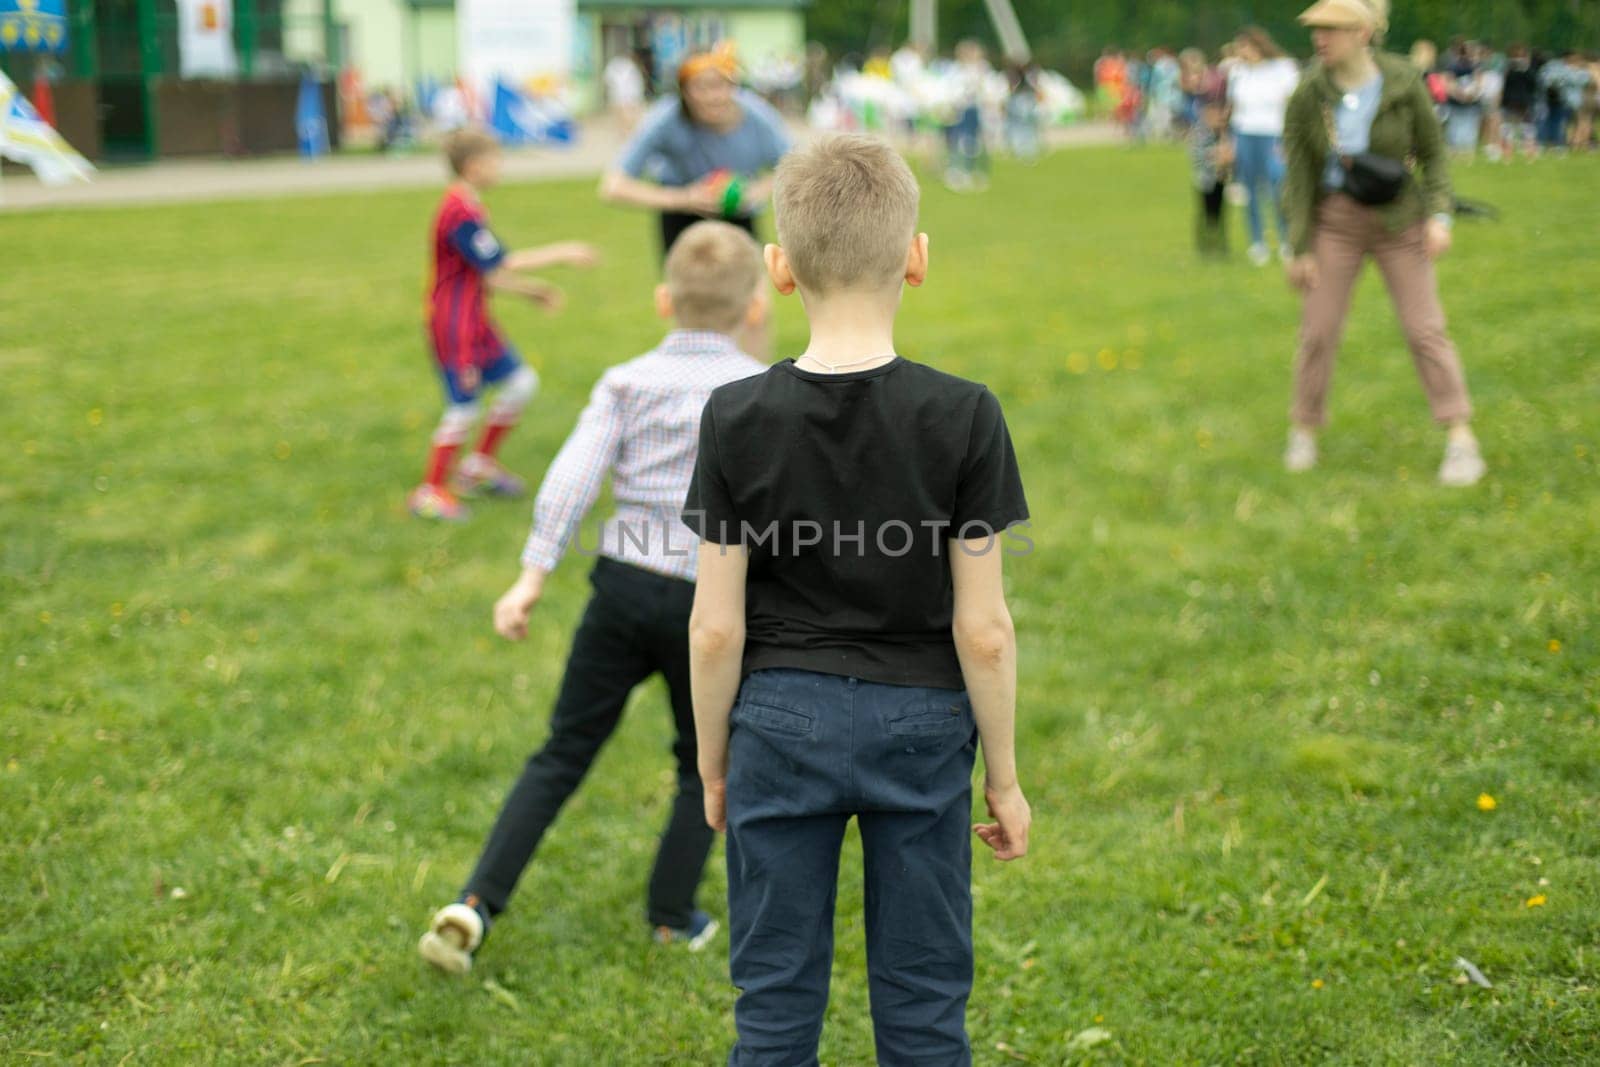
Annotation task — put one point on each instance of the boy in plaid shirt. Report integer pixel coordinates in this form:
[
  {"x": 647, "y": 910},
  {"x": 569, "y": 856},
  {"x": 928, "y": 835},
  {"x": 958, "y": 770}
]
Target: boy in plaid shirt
[{"x": 642, "y": 427}]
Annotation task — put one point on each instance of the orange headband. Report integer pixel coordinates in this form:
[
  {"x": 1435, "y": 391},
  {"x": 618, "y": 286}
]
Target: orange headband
[{"x": 720, "y": 60}]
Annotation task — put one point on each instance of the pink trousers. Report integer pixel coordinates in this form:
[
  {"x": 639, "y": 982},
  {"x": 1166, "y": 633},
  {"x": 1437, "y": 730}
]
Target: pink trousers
[{"x": 1346, "y": 234}]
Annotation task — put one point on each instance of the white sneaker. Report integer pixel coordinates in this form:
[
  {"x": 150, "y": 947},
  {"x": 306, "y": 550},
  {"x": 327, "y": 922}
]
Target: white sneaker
[
  {"x": 1285, "y": 254},
  {"x": 1301, "y": 455},
  {"x": 1259, "y": 255},
  {"x": 1463, "y": 464},
  {"x": 456, "y": 932}
]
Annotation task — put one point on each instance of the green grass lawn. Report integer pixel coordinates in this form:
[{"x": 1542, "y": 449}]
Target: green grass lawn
[{"x": 255, "y": 721}]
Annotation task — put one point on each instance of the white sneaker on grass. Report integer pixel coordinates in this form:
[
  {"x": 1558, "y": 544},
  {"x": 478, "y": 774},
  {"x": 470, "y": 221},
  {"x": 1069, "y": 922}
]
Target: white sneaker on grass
[
  {"x": 456, "y": 932},
  {"x": 696, "y": 936},
  {"x": 1463, "y": 464},
  {"x": 1285, "y": 254},
  {"x": 1301, "y": 455},
  {"x": 1259, "y": 254}
]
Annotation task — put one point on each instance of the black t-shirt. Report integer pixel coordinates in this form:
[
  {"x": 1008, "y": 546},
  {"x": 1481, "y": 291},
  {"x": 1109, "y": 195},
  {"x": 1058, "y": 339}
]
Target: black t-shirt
[
  {"x": 1521, "y": 89},
  {"x": 846, "y": 488}
]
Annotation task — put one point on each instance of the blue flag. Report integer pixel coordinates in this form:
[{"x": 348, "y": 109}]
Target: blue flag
[
  {"x": 310, "y": 120},
  {"x": 33, "y": 25},
  {"x": 517, "y": 120}
]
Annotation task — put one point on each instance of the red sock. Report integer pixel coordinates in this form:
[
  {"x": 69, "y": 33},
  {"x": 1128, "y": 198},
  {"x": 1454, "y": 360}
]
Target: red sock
[
  {"x": 439, "y": 464},
  {"x": 493, "y": 434}
]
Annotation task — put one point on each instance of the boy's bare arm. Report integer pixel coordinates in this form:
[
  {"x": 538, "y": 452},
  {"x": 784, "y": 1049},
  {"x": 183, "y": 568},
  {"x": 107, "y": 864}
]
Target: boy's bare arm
[
  {"x": 564, "y": 253},
  {"x": 716, "y": 651},
  {"x": 986, "y": 645}
]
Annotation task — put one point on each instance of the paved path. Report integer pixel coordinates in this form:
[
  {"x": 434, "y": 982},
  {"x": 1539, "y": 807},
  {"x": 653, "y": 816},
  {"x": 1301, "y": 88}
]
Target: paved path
[{"x": 223, "y": 179}]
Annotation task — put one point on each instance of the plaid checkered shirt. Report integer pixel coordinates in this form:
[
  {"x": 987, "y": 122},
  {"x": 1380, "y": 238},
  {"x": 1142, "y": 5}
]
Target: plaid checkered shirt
[{"x": 642, "y": 426}]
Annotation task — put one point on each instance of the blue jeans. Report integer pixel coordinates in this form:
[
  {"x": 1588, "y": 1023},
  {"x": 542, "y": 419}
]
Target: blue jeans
[
  {"x": 1258, "y": 161},
  {"x": 1553, "y": 127},
  {"x": 1462, "y": 126},
  {"x": 806, "y": 752}
]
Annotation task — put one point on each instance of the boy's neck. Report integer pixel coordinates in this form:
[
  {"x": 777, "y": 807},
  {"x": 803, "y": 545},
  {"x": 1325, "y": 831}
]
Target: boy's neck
[
  {"x": 848, "y": 328},
  {"x": 467, "y": 187}
]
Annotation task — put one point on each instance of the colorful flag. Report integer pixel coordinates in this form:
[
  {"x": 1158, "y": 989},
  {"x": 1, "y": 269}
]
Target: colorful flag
[
  {"x": 518, "y": 120},
  {"x": 27, "y": 138},
  {"x": 33, "y": 25}
]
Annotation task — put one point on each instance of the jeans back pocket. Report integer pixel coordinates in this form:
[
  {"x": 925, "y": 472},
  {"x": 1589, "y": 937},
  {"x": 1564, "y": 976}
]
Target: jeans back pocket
[
  {"x": 936, "y": 716},
  {"x": 763, "y": 713}
]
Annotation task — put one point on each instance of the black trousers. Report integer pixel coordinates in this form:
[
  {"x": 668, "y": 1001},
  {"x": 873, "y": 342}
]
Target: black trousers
[
  {"x": 673, "y": 223},
  {"x": 635, "y": 625},
  {"x": 1211, "y": 234}
]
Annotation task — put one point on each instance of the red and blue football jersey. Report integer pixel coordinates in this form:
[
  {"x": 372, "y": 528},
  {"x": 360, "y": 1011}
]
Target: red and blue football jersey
[{"x": 464, "y": 250}]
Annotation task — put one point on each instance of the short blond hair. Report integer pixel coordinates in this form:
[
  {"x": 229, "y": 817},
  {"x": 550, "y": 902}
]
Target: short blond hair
[
  {"x": 846, "y": 211},
  {"x": 712, "y": 274},
  {"x": 463, "y": 146}
]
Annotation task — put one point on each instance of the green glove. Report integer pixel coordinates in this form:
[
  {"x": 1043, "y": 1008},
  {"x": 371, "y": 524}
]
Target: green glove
[{"x": 732, "y": 197}]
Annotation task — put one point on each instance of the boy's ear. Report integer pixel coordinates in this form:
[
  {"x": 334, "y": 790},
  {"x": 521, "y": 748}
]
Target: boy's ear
[
  {"x": 663, "y": 301},
  {"x": 778, "y": 269},
  {"x": 917, "y": 261}
]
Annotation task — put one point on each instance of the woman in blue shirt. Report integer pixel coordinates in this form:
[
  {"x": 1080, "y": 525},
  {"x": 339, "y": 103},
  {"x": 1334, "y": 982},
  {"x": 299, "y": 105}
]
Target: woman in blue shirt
[{"x": 708, "y": 153}]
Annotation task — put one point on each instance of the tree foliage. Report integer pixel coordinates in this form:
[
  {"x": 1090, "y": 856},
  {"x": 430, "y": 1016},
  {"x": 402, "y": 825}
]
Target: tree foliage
[{"x": 1068, "y": 34}]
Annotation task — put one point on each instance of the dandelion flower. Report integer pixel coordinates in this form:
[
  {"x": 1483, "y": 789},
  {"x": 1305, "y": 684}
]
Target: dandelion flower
[
  {"x": 1535, "y": 901},
  {"x": 1486, "y": 802}
]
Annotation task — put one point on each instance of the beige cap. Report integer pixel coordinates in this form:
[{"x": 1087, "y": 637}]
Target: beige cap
[{"x": 1344, "y": 15}]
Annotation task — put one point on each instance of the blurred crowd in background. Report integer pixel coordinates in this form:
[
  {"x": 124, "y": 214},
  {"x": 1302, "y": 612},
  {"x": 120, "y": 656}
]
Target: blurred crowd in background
[{"x": 1502, "y": 101}]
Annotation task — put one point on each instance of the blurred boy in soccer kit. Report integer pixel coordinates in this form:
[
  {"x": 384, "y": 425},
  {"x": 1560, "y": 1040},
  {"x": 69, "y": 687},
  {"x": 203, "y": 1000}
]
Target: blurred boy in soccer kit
[
  {"x": 641, "y": 427},
  {"x": 850, "y": 643},
  {"x": 471, "y": 353}
]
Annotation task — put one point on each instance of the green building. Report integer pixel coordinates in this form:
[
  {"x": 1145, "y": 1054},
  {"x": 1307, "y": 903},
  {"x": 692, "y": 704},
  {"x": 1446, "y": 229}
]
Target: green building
[
  {"x": 397, "y": 43},
  {"x": 118, "y": 93}
]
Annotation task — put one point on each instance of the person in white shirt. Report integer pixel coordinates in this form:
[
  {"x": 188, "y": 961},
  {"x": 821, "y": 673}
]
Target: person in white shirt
[
  {"x": 1259, "y": 86},
  {"x": 624, "y": 90}
]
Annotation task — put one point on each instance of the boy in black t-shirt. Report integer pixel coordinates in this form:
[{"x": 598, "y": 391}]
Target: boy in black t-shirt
[{"x": 850, "y": 643}]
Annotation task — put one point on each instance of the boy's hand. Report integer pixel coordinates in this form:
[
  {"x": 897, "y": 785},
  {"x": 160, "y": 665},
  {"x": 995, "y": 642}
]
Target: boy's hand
[
  {"x": 716, "y": 794},
  {"x": 469, "y": 378},
  {"x": 1008, "y": 834},
  {"x": 511, "y": 611},
  {"x": 550, "y": 297}
]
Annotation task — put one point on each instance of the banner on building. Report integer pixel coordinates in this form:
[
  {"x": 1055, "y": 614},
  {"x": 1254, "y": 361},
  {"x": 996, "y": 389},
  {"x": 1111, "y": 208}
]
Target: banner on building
[
  {"x": 205, "y": 39},
  {"x": 33, "y": 25},
  {"x": 519, "y": 42}
]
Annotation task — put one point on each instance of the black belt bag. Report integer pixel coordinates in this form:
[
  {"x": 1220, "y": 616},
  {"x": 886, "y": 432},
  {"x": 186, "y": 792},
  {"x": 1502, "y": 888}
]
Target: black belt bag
[
  {"x": 1372, "y": 179},
  {"x": 1369, "y": 178}
]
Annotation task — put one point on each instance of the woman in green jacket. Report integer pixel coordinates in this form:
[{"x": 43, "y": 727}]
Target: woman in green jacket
[{"x": 1352, "y": 105}]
